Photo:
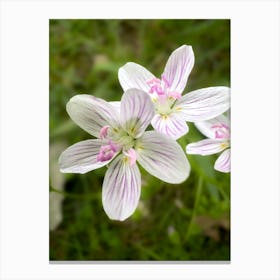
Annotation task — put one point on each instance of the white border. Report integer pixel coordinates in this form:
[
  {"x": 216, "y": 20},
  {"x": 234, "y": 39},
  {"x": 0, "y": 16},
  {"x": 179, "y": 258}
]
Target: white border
[{"x": 255, "y": 138}]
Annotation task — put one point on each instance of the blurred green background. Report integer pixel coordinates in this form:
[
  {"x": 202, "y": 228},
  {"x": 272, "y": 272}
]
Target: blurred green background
[{"x": 189, "y": 221}]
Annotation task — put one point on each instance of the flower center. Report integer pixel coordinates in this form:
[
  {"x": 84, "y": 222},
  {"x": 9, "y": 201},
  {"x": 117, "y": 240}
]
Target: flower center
[
  {"x": 121, "y": 137},
  {"x": 221, "y": 131},
  {"x": 118, "y": 139},
  {"x": 162, "y": 95}
]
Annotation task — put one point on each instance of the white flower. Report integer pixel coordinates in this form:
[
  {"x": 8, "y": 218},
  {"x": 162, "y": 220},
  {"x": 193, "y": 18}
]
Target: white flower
[
  {"x": 120, "y": 129},
  {"x": 218, "y": 132},
  {"x": 173, "y": 109}
]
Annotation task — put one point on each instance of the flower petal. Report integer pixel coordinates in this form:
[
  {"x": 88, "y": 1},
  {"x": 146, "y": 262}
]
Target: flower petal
[
  {"x": 162, "y": 157},
  {"x": 81, "y": 157},
  {"x": 203, "y": 104},
  {"x": 91, "y": 113},
  {"x": 205, "y": 127},
  {"x": 133, "y": 75},
  {"x": 137, "y": 111},
  {"x": 206, "y": 147},
  {"x": 171, "y": 125},
  {"x": 116, "y": 105},
  {"x": 222, "y": 164},
  {"x": 178, "y": 68},
  {"x": 121, "y": 189}
]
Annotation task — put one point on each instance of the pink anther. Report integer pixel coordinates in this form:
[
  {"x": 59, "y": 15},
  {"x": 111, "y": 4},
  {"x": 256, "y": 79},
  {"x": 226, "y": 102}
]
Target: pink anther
[
  {"x": 131, "y": 154},
  {"x": 175, "y": 94},
  {"x": 113, "y": 146},
  {"x": 166, "y": 82},
  {"x": 103, "y": 132},
  {"x": 107, "y": 152},
  {"x": 153, "y": 81},
  {"x": 156, "y": 88},
  {"x": 221, "y": 131}
]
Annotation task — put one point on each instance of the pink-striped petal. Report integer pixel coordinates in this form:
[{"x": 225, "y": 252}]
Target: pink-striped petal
[
  {"x": 121, "y": 189},
  {"x": 91, "y": 113},
  {"x": 133, "y": 75},
  {"x": 206, "y": 147},
  {"x": 81, "y": 157},
  {"x": 178, "y": 68},
  {"x": 137, "y": 111},
  {"x": 222, "y": 164},
  {"x": 162, "y": 157},
  {"x": 203, "y": 104},
  {"x": 171, "y": 125},
  {"x": 206, "y": 127},
  {"x": 116, "y": 105}
]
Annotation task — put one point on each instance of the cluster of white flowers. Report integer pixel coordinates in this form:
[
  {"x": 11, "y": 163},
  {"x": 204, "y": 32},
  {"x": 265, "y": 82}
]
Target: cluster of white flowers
[{"x": 120, "y": 132}]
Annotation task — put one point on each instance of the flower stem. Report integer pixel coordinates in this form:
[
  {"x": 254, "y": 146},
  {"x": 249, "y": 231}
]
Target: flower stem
[
  {"x": 196, "y": 202},
  {"x": 211, "y": 180}
]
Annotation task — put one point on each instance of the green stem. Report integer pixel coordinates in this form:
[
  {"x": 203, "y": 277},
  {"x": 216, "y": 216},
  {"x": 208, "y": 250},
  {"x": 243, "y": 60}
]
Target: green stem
[
  {"x": 196, "y": 202},
  {"x": 211, "y": 180}
]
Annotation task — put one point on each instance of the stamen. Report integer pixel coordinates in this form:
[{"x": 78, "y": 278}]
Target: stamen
[
  {"x": 103, "y": 132},
  {"x": 131, "y": 154},
  {"x": 221, "y": 131},
  {"x": 107, "y": 152},
  {"x": 157, "y": 89},
  {"x": 166, "y": 82},
  {"x": 153, "y": 81},
  {"x": 113, "y": 146},
  {"x": 220, "y": 126},
  {"x": 175, "y": 94},
  {"x": 224, "y": 145},
  {"x": 155, "y": 85}
]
